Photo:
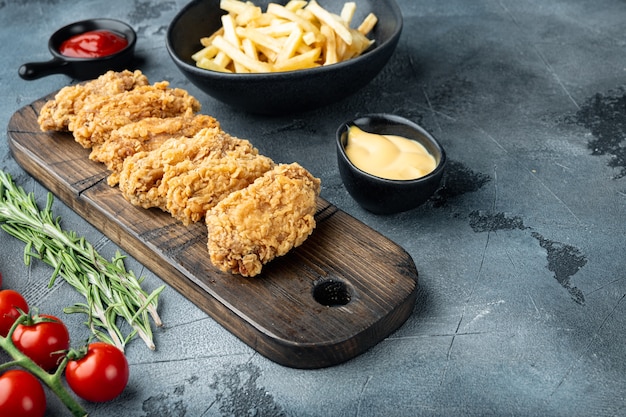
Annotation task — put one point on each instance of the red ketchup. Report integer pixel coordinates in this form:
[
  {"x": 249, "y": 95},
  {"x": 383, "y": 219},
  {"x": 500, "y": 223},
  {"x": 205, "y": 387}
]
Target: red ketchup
[{"x": 93, "y": 44}]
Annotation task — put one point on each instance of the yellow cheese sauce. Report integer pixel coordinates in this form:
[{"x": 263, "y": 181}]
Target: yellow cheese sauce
[{"x": 388, "y": 156}]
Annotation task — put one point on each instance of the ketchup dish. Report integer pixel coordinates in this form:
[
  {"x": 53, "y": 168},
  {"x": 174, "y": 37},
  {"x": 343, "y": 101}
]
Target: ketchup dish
[
  {"x": 85, "y": 50},
  {"x": 93, "y": 44}
]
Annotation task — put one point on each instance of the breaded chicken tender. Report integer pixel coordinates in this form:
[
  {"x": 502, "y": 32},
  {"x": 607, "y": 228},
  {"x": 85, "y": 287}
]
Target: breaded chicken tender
[
  {"x": 56, "y": 114},
  {"x": 195, "y": 188},
  {"x": 186, "y": 176},
  {"x": 99, "y": 116},
  {"x": 140, "y": 178},
  {"x": 267, "y": 219},
  {"x": 163, "y": 154},
  {"x": 142, "y": 173},
  {"x": 146, "y": 135}
]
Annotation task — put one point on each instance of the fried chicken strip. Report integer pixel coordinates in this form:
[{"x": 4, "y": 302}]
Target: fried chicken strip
[
  {"x": 186, "y": 176},
  {"x": 267, "y": 219},
  {"x": 195, "y": 188},
  {"x": 164, "y": 155},
  {"x": 101, "y": 115},
  {"x": 146, "y": 135},
  {"x": 56, "y": 114}
]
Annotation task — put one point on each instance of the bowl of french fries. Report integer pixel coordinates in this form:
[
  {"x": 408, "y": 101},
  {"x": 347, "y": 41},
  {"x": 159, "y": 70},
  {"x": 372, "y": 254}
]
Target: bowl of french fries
[{"x": 281, "y": 57}]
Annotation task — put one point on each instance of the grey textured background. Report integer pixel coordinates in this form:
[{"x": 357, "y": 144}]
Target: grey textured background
[{"x": 521, "y": 308}]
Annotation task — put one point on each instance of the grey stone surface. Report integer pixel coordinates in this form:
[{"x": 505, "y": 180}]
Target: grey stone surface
[{"x": 521, "y": 309}]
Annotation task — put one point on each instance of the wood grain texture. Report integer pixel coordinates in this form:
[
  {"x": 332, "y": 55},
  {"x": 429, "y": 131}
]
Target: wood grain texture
[{"x": 275, "y": 313}]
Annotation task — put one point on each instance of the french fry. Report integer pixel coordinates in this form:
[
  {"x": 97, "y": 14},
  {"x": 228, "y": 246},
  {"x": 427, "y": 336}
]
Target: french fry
[
  {"x": 228, "y": 24},
  {"x": 270, "y": 56},
  {"x": 307, "y": 15},
  {"x": 238, "y": 56},
  {"x": 302, "y": 61},
  {"x": 301, "y": 34},
  {"x": 207, "y": 41},
  {"x": 368, "y": 24},
  {"x": 295, "y": 5},
  {"x": 260, "y": 38},
  {"x": 347, "y": 12},
  {"x": 281, "y": 11},
  {"x": 331, "y": 20},
  {"x": 235, "y": 6},
  {"x": 210, "y": 64},
  {"x": 248, "y": 15},
  {"x": 279, "y": 30},
  {"x": 341, "y": 48},
  {"x": 290, "y": 46},
  {"x": 222, "y": 60},
  {"x": 208, "y": 52},
  {"x": 249, "y": 48},
  {"x": 331, "y": 46},
  {"x": 309, "y": 38}
]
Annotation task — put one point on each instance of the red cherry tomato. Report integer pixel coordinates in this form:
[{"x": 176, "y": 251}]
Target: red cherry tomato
[
  {"x": 10, "y": 301},
  {"x": 44, "y": 342},
  {"x": 21, "y": 395},
  {"x": 101, "y": 375}
]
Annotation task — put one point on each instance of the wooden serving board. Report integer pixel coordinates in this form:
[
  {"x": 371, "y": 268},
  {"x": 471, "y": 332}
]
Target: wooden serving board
[{"x": 282, "y": 313}]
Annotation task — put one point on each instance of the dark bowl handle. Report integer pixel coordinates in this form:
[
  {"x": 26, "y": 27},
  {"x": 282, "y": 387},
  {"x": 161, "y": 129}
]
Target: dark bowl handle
[{"x": 34, "y": 70}]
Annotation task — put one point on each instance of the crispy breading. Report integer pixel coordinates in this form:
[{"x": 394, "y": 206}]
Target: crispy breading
[
  {"x": 193, "y": 188},
  {"x": 140, "y": 178},
  {"x": 99, "y": 116},
  {"x": 164, "y": 155},
  {"x": 142, "y": 173},
  {"x": 187, "y": 175},
  {"x": 146, "y": 135},
  {"x": 267, "y": 219},
  {"x": 57, "y": 113}
]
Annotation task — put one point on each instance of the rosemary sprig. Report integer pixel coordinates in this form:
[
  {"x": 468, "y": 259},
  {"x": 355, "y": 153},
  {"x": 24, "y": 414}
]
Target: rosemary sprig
[{"x": 111, "y": 292}]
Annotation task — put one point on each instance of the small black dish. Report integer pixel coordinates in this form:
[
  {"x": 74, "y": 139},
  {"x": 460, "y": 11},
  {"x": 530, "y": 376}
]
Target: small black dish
[
  {"x": 83, "y": 68},
  {"x": 380, "y": 195},
  {"x": 281, "y": 93}
]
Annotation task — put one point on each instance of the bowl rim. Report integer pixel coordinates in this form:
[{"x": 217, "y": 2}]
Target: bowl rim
[
  {"x": 303, "y": 72},
  {"x": 102, "y": 23},
  {"x": 394, "y": 119}
]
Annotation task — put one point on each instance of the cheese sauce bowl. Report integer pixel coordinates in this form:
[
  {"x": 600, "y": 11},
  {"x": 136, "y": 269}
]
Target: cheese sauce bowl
[
  {"x": 83, "y": 68},
  {"x": 280, "y": 93},
  {"x": 381, "y": 195}
]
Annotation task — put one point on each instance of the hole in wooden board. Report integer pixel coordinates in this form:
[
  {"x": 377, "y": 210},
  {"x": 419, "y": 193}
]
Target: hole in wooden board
[{"x": 331, "y": 293}]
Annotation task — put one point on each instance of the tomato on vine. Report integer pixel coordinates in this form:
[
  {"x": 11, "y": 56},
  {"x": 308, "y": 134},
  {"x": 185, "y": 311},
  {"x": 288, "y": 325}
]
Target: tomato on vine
[
  {"x": 21, "y": 395},
  {"x": 100, "y": 375},
  {"x": 44, "y": 339},
  {"x": 10, "y": 303}
]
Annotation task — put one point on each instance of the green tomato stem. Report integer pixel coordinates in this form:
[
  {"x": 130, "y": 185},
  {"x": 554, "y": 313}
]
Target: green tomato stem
[{"x": 52, "y": 381}]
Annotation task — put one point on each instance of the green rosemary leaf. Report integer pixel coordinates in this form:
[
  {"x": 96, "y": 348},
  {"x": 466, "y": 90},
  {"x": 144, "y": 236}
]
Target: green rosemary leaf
[{"x": 112, "y": 293}]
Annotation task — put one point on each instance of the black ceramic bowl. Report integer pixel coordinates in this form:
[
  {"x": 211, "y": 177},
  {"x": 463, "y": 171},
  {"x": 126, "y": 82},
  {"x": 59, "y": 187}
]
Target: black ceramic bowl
[
  {"x": 286, "y": 92},
  {"x": 380, "y": 195},
  {"x": 83, "y": 68}
]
